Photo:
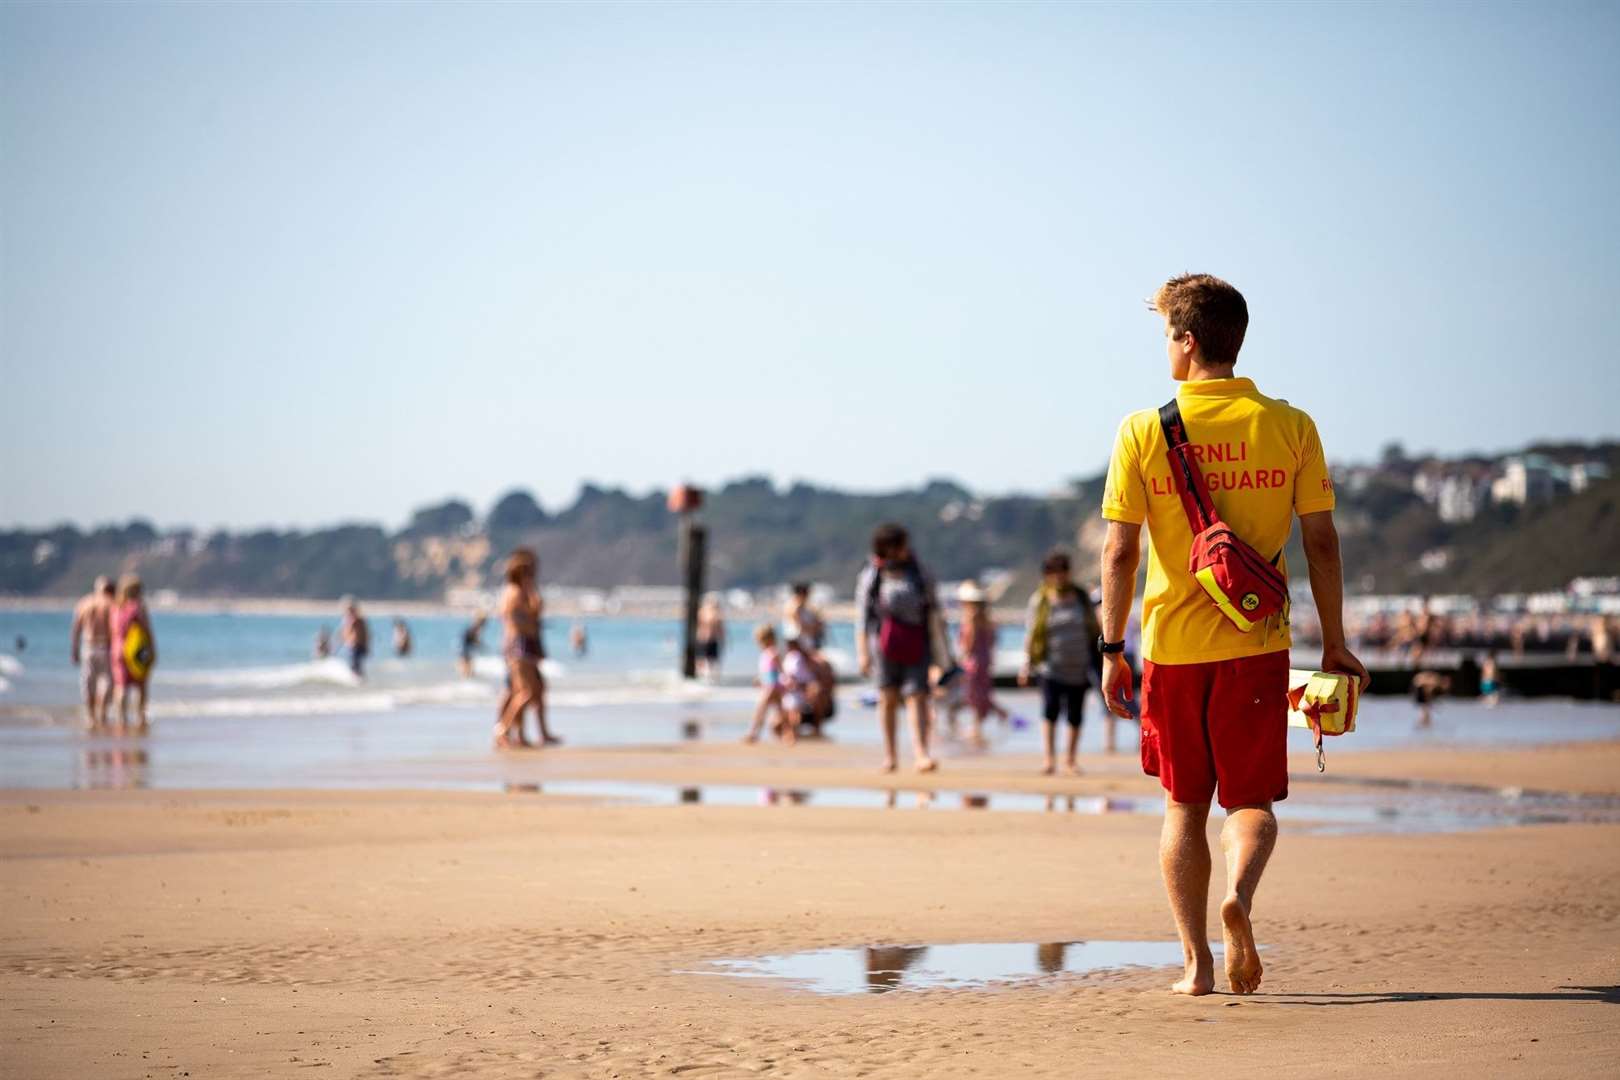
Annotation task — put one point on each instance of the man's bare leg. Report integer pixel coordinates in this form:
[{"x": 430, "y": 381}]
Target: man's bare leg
[
  {"x": 1248, "y": 837},
  {"x": 889, "y": 713},
  {"x": 1071, "y": 764},
  {"x": 105, "y": 692},
  {"x": 917, "y": 706},
  {"x": 92, "y": 694},
  {"x": 1185, "y": 863}
]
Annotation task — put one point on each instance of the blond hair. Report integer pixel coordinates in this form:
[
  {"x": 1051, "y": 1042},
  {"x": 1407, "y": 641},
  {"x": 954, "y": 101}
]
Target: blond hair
[{"x": 129, "y": 588}]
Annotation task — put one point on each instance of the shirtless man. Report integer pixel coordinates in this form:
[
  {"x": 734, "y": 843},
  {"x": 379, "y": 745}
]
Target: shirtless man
[
  {"x": 1215, "y": 697},
  {"x": 356, "y": 636},
  {"x": 711, "y": 638},
  {"x": 91, "y": 649}
]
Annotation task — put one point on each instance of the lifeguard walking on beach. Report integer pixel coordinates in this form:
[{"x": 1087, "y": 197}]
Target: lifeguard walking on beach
[{"x": 1215, "y": 682}]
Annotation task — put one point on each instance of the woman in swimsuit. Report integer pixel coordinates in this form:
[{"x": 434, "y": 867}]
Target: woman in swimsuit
[
  {"x": 131, "y": 667},
  {"x": 520, "y": 616}
]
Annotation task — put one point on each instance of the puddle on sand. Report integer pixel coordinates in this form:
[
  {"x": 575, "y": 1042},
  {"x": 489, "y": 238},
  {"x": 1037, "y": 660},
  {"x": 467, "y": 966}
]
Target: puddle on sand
[
  {"x": 1379, "y": 812},
  {"x": 878, "y": 969}
]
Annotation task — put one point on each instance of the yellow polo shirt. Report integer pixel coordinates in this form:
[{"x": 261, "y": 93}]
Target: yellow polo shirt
[{"x": 1263, "y": 463}]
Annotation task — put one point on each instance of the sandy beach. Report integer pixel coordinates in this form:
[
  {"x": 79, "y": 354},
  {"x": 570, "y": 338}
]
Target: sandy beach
[{"x": 393, "y": 933}]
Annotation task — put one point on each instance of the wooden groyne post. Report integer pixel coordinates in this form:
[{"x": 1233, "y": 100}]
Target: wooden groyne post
[{"x": 686, "y": 501}]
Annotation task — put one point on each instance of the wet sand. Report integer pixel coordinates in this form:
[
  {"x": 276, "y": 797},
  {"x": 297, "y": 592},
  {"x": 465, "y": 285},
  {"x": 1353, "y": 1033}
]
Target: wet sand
[{"x": 383, "y": 933}]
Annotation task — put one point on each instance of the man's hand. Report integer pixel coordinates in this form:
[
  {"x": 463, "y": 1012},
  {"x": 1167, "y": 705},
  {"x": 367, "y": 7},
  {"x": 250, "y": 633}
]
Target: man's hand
[
  {"x": 1116, "y": 685},
  {"x": 863, "y": 660},
  {"x": 1340, "y": 659},
  {"x": 1023, "y": 675}
]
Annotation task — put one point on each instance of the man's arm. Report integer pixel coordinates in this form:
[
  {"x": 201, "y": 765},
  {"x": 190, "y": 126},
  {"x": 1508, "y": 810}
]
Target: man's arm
[
  {"x": 1327, "y": 587},
  {"x": 1122, "y": 550}
]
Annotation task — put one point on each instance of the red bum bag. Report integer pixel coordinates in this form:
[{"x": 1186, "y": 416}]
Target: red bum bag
[{"x": 1245, "y": 585}]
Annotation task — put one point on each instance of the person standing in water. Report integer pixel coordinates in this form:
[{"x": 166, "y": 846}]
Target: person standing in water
[
  {"x": 1214, "y": 696},
  {"x": 711, "y": 638},
  {"x": 521, "y": 611},
  {"x": 578, "y": 640},
  {"x": 134, "y": 651},
  {"x": 402, "y": 639},
  {"x": 355, "y": 633},
  {"x": 323, "y": 643},
  {"x": 90, "y": 646},
  {"x": 471, "y": 643}
]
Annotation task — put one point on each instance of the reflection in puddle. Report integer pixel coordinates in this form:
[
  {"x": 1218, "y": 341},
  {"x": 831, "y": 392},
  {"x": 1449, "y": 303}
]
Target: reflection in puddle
[
  {"x": 113, "y": 767},
  {"x": 1378, "y": 812},
  {"x": 879, "y": 969}
]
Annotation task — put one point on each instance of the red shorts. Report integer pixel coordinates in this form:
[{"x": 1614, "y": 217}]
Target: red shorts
[{"x": 1222, "y": 724}]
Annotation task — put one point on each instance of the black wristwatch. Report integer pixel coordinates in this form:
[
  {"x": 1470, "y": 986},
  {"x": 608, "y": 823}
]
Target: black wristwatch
[{"x": 1105, "y": 646}]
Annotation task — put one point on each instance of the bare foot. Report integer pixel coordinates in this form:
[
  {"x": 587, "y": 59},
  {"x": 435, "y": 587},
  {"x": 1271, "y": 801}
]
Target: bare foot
[
  {"x": 927, "y": 764},
  {"x": 550, "y": 740},
  {"x": 1070, "y": 769},
  {"x": 1048, "y": 767},
  {"x": 888, "y": 765},
  {"x": 1199, "y": 978},
  {"x": 1242, "y": 958}
]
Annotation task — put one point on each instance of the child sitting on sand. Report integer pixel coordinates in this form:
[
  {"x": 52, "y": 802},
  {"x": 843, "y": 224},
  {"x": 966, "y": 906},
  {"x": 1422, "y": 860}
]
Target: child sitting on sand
[{"x": 769, "y": 681}]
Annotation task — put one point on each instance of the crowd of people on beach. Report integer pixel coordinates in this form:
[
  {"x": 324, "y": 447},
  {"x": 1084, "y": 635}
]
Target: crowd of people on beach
[
  {"x": 112, "y": 644},
  {"x": 903, "y": 643},
  {"x": 1571, "y": 635}
]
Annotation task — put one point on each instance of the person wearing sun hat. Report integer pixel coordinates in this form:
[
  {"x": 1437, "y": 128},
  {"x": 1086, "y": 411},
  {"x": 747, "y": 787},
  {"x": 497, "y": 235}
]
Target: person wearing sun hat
[{"x": 976, "y": 646}]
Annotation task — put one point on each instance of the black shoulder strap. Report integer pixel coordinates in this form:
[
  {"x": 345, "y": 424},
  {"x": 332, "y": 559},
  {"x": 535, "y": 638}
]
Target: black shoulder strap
[{"x": 1189, "y": 480}]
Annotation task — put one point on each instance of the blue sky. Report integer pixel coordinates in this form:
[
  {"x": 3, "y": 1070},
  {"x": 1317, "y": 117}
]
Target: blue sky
[{"x": 283, "y": 264}]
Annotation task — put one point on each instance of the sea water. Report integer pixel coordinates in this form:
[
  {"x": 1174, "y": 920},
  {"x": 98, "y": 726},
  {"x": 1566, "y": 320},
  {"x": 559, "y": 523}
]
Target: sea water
[
  {"x": 239, "y": 701},
  {"x": 264, "y": 664}
]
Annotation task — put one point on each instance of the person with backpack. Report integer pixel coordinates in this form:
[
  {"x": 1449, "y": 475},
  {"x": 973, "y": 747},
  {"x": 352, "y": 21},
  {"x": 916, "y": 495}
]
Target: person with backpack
[
  {"x": 1061, "y": 646},
  {"x": 1218, "y": 476},
  {"x": 899, "y": 635}
]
